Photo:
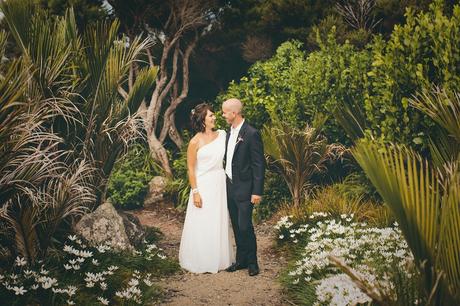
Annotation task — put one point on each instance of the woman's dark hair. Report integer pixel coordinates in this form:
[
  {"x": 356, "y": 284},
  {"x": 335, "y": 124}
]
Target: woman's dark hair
[{"x": 198, "y": 117}]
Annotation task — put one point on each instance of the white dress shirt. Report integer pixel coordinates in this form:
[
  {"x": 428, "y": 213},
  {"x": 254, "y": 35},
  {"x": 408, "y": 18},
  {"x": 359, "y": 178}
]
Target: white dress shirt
[{"x": 231, "y": 148}]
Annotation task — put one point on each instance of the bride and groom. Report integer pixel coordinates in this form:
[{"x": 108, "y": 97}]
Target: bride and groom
[{"x": 220, "y": 192}]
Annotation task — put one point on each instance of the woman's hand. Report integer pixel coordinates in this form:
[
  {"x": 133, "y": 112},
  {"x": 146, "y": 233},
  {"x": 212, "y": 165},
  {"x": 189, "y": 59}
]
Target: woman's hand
[{"x": 197, "y": 200}]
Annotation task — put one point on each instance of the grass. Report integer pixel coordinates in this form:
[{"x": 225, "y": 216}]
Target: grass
[{"x": 330, "y": 200}]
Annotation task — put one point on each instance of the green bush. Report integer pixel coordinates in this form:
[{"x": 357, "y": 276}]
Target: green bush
[
  {"x": 357, "y": 185},
  {"x": 379, "y": 79},
  {"x": 276, "y": 193},
  {"x": 423, "y": 51},
  {"x": 178, "y": 188},
  {"x": 296, "y": 86},
  {"x": 128, "y": 184}
]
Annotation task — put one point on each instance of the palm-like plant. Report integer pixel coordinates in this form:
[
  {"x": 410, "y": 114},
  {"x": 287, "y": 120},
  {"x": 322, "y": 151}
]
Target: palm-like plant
[
  {"x": 37, "y": 189},
  {"x": 426, "y": 208},
  {"x": 65, "y": 117},
  {"x": 92, "y": 72},
  {"x": 424, "y": 196},
  {"x": 444, "y": 108},
  {"x": 297, "y": 154}
]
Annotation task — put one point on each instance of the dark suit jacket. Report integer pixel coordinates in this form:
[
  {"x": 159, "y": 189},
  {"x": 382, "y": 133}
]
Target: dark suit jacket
[{"x": 248, "y": 163}]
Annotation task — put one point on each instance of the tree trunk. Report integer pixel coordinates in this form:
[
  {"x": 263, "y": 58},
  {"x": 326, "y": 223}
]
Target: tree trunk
[
  {"x": 158, "y": 152},
  {"x": 174, "y": 133}
]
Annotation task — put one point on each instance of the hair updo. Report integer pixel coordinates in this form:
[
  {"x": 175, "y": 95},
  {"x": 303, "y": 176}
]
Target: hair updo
[{"x": 198, "y": 117}]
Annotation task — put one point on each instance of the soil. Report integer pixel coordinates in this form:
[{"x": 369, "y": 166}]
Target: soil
[{"x": 223, "y": 288}]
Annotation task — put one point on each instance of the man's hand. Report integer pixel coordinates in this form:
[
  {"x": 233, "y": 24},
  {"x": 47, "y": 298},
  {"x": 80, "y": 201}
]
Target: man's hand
[{"x": 255, "y": 199}]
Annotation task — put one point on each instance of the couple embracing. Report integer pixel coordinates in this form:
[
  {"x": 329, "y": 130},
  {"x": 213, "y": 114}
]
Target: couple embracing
[{"x": 222, "y": 195}]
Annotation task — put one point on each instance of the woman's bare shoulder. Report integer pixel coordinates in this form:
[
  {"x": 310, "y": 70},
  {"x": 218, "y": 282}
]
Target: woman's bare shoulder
[{"x": 195, "y": 140}]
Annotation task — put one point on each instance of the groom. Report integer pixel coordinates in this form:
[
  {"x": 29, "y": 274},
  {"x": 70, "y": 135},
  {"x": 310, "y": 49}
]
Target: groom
[{"x": 245, "y": 169}]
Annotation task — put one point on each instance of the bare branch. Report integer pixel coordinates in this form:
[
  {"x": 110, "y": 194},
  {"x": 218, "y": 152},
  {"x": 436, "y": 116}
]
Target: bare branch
[
  {"x": 358, "y": 13},
  {"x": 185, "y": 87},
  {"x": 172, "y": 80}
]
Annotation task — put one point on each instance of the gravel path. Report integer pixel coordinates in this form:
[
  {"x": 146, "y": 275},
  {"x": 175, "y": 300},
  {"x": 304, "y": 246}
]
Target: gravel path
[{"x": 223, "y": 288}]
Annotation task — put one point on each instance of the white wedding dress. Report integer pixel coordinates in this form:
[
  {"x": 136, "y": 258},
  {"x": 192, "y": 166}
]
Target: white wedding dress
[{"x": 207, "y": 240}]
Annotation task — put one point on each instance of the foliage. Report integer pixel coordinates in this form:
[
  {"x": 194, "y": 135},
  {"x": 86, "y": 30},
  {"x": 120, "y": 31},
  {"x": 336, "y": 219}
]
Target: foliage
[
  {"x": 296, "y": 87},
  {"x": 423, "y": 196},
  {"x": 375, "y": 253},
  {"x": 86, "y": 11},
  {"x": 129, "y": 181},
  {"x": 333, "y": 202},
  {"x": 87, "y": 69},
  {"x": 40, "y": 188},
  {"x": 444, "y": 108},
  {"x": 324, "y": 27},
  {"x": 219, "y": 58},
  {"x": 419, "y": 53},
  {"x": 276, "y": 193},
  {"x": 63, "y": 122},
  {"x": 178, "y": 188},
  {"x": 297, "y": 154},
  {"x": 357, "y": 185},
  {"x": 84, "y": 275},
  {"x": 330, "y": 200},
  {"x": 425, "y": 204}
]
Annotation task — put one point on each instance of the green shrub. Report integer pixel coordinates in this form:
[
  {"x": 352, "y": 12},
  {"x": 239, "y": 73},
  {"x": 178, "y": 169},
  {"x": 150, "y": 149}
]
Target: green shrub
[
  {"x": 296, "y": 86},
  {"x": 276, "y": 193},
  {"x": 178, "y": 188},
  {"x": 128, "y": 184},
  {"x": 357, "y": 185},
  {"x": 423, "y": 51}
]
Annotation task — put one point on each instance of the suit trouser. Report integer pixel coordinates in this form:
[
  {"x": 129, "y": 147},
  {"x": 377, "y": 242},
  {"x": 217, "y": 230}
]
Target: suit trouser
[{"x": 243, "y": 229}]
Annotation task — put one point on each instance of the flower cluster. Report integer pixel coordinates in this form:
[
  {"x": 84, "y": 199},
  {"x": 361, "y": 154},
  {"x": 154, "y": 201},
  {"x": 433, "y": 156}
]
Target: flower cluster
[
  {"x": 367, "y": 250},
  {"x": 337, "y": 290},
  {"x": 86, "y": 270},
  {"x": 132, "y": 292}
]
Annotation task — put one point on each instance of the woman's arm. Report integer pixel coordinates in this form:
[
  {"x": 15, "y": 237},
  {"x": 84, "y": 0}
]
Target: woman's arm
[{"x": 192, "y": 150}]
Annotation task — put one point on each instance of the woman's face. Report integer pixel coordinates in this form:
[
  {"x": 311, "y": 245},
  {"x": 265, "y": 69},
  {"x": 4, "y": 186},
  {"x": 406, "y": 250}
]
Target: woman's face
[{"x": 210, "y": 120}]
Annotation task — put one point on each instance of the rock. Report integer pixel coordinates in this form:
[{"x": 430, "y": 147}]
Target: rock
[
  {"x": 157, "y": 188},
  {"x": 134, "y": 229},
  {"x": 104, "y": 226}
]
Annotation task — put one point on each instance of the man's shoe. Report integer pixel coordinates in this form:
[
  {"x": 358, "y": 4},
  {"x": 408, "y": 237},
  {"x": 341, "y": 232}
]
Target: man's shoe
[
  {"x": 236, "y": 266},
  {"x": 253, "y": 269}
]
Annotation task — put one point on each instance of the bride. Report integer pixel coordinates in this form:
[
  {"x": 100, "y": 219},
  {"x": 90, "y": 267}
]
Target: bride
[{"x": 206, "y": 244}]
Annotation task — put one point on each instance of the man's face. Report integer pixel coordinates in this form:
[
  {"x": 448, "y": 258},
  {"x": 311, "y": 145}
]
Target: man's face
[{"x": 228, "y": 114}]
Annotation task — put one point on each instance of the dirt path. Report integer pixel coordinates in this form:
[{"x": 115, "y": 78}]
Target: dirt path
[{"x": 223, "y": 288}]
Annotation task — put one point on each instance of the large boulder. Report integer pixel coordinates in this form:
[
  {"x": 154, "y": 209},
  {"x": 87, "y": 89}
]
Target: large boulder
[
  {"x": 157, "y": 188},
  {"x": 134, "y": 229},
  {"x": 104, "y": 226}
]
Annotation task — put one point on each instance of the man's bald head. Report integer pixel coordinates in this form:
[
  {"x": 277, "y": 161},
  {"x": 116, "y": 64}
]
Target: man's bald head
[
  {"x": 233, "y": 105},
  {"x": 232, "y": 111}
]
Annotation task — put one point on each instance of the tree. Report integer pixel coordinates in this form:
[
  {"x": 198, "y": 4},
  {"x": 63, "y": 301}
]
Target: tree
[
  {"x": 86, "y": 11},
  {"x": 177, "y": 26}
]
